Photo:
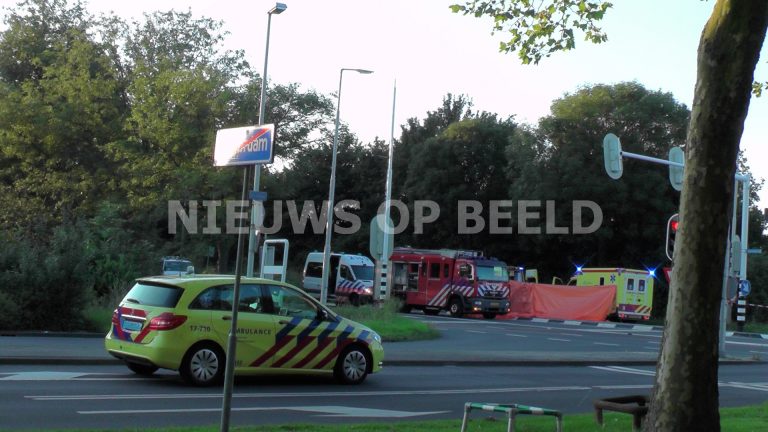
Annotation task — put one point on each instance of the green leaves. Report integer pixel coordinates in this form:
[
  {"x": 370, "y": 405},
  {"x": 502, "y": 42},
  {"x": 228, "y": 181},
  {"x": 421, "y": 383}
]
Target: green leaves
[{"x": 538, "y": 29}]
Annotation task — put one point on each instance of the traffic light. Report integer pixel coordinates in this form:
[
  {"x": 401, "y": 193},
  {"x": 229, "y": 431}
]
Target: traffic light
[{"x": 672, "y": 225}]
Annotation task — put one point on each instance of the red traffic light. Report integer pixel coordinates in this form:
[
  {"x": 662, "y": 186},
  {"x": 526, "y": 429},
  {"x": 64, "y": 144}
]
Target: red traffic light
[{"x": 673, "y": 225}]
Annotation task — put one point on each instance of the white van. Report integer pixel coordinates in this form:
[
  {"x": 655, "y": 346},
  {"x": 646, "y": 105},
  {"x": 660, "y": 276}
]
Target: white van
[
  {"x": 350, "y": 278},
  {"x": 177, "y": 266}
]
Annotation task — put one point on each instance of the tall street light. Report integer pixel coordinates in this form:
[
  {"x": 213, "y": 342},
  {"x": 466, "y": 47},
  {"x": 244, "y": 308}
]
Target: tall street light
[
  {"x": 277, "y": 10},
  {"x": 331, "y": 192}
]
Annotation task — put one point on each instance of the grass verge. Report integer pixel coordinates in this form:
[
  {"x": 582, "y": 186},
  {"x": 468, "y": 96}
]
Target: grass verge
[
  {"x": 753, "y": 418},
  {"x": 385, "y": 320}
]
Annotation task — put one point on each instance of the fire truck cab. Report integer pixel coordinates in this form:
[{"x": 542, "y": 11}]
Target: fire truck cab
[{"x": 461, "y": 282}]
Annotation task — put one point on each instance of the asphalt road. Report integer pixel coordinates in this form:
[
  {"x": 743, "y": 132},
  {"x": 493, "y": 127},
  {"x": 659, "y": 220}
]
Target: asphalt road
[
  {"x": 601, "y": 341},
  {"x": 46, "y": 397},
  {"x": 421, "y": 380}
]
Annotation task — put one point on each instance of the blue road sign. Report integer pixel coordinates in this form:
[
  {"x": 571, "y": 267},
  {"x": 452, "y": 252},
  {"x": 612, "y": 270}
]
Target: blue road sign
[
  {"x": 745, "y": 287},
  {"x": 258, "y": 196},
  {"x": 249, "y": 145}
]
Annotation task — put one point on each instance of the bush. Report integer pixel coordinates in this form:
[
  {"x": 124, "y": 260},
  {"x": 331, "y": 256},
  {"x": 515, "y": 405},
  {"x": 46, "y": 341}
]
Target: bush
[{"x": 45, "y": 285}]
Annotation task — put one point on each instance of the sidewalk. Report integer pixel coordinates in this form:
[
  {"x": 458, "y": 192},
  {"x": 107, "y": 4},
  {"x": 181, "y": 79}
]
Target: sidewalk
[{"x": 88, "y": 349}]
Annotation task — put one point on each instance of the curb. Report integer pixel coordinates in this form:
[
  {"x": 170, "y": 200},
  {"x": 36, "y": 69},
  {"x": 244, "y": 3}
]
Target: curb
[{"x": 597, "y": 324}]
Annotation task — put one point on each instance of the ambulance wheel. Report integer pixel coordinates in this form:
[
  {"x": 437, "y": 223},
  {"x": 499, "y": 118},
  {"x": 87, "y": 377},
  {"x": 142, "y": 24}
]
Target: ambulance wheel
[
  {"x": 456, "y": 307},
  {"x": 354, "y": 299},
  {"x": 141, "y": 369},
  {"x": 489, "y": 315},
  {"x": 352, "y": 366},
  {"x": 203, "y": 365}
]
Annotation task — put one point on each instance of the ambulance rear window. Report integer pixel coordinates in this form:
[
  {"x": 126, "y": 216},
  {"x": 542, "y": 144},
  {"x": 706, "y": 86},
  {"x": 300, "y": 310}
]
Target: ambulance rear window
[{"x": 153, "y": 295}]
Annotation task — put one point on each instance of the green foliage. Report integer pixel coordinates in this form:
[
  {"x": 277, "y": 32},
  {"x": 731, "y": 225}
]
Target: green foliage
[
  {"x": 540, "y": 28},
  {"x": 44, "y": 284},
  {"x": 636, "y": 207}
]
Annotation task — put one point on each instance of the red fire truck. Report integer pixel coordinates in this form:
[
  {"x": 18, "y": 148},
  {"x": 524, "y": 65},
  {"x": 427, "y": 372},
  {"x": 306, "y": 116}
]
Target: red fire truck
[{"x": 459, "y": 281}]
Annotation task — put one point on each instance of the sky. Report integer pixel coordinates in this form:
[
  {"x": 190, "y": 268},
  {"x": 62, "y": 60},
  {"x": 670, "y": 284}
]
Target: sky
[{"x": 430, "y": 52}]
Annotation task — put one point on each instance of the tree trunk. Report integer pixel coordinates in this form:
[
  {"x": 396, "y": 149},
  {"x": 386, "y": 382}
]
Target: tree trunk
[{"x": 685, "y": 395}]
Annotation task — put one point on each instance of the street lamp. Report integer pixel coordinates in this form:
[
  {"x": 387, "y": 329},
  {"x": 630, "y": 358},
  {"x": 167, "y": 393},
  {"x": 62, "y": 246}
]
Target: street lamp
[
  {"x": 331, "y": 192},
  {"x": 229, "y": 370},
  {"x": 277, "y": 10}
]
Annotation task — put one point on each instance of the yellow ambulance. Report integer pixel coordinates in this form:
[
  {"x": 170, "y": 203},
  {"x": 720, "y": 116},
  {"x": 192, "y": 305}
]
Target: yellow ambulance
[{"x": 634, "y": 289}]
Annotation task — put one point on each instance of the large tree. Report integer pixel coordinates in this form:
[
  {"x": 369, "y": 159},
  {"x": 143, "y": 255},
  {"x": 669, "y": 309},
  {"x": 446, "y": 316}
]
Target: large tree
[{"x": 685, "y": 395}]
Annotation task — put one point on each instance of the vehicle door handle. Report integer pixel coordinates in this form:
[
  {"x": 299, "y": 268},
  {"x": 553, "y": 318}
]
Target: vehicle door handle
[{"x": 226, "y": 318}]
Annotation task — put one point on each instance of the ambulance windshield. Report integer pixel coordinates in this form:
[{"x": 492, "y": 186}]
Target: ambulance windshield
[
  {"x": 363, "y": 272},
  {"x": 492, "y": 273}
]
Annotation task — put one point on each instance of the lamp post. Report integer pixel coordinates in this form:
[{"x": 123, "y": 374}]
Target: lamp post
[
  {"x": 331, "y": 192},
  {"x": 277, "y": 10}
]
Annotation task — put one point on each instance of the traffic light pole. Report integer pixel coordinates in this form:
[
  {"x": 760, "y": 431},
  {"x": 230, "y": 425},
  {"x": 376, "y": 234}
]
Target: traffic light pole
[{"x": 613, "y": 154}]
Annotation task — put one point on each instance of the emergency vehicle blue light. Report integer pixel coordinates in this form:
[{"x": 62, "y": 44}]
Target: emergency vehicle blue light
[
  {"x": 651, "y": 271},
  {"x": 578, "y": 269}
]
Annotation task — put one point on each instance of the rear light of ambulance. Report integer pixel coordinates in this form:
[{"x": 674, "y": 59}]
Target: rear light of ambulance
[
  {"x": 115, "y": 318},
  {"x": 166, "y": 321}
]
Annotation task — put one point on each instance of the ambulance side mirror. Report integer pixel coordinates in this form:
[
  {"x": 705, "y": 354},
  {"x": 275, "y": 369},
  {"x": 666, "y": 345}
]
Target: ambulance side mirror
[{"x": 322, "y": 315}]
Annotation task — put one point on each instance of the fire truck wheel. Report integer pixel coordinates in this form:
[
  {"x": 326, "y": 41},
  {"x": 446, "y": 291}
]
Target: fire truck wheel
[
  {"x": 489, "y": 315},
  {"x": 352, "y": 366},
  {"x": 456, "y": 308}
]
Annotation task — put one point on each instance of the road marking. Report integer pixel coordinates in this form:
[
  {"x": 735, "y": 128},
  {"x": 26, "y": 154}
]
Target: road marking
[
  {"x": 325, "y": 411},
  {"x": 654, "y": 342},
  {"x": 571, "y": 334},
  {"x": 309, "y": 394},
  {"x": 42, "y": 376},
  {"x": 561, "y": 340},
  {"x": 746, "y": 386},
  {"x": 605, "y": 343},
  {"x": 627, "y": 370},
  {"x": 748, "y": 343},
  {"x": 624, "y": 387},
  {"x": 475, "y": 331},
  {"x": 759, "y": 352},
  {"x": 515, "y": 335}
]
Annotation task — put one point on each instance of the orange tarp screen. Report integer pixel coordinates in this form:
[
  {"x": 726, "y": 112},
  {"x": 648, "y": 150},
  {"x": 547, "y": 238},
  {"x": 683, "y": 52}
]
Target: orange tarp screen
[{"x": 590, "y": 303}]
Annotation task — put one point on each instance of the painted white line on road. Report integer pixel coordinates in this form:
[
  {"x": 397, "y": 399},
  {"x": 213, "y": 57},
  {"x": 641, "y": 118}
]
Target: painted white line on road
[
  {"x": 759, "y": 352},
  {"x": 605, "y": 343},
  {"x": 309, "y": 394},
  {"x": 514, "y": 335},
  {"x": 745, "y": 386},
  {"x": 560, "y": 340},
  {"x": 626, "y": 370},
  {"x": 624, "y": 387},
  {"x": 571, "y": 334},
  {"x": 325, "y": 411},
  {"x": 748, "y": 343},
  {"x": 654, "y": 342},
  {"x": 475, "y": 331},
  {"x": 42, "y": 376}
]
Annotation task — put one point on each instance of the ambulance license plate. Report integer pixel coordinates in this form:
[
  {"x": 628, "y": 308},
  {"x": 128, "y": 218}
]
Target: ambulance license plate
[
  {"x": 130, "y": 325},
  {"x": 494, "y": 304}
]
